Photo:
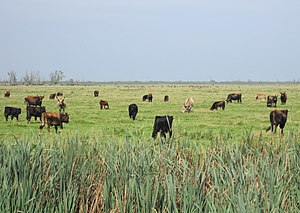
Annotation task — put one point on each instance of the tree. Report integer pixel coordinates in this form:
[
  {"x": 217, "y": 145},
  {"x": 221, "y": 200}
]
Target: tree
[
  {"x": 56, "y": 76},
  {"x": 12, "y": 78},
  {"x": 32, "y": 77}
]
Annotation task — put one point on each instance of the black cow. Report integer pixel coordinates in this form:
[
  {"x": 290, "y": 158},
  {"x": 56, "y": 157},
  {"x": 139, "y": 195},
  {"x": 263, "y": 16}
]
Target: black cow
[
  {"x": 145, "y": 97},
  {"x": 234, "y": 96},
  {"x": 278, "y": 118},
  {"x": 34, "y": 111},
  {"x": 7, "y": 94},
  {"x": 96, "y": 93},
  {"x": 133, "y": 110},
  {"x": 283, "y": 97},
  {"x": 13, "y": 112},
  {"x": 162, "y": 124},
  {"x": 149, "y": 97},
  {"x": 271, "y": 100},
  {"x": 166, "y": 98},
  {"x": 59, "y": 94},
  {"x": 218, "y": 104}
]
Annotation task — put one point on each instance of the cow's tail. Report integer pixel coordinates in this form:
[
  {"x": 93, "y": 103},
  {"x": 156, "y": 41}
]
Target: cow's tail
[{"x": 43, "y": 121}]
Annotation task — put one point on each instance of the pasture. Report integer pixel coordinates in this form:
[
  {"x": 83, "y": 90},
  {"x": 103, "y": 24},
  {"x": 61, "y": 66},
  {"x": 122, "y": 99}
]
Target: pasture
[{"x": 103, "y": 161}]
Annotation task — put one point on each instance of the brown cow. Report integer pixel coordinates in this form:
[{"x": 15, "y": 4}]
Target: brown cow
[
  {"x": 278, "y": 118},
  {"x": 188, "y": 104},
  {"x": 52, "y": 96},
  {"x": 283, "y": 97},
  {"x": 53, "y": 119},
  {"x": 104, "y": 104},
  {"x": 34, "y": 100},
  {"x": 218, "y": 104},
  {"x": 260, "y": 96},
  {"x": 271, "y": 100},
  {"x": 7, "y": 94},
  {"x": 61, "y": 103}
]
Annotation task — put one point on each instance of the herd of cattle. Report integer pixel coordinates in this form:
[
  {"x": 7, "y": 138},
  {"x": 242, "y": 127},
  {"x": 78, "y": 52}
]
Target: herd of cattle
[{"x": 162, "y": 124}]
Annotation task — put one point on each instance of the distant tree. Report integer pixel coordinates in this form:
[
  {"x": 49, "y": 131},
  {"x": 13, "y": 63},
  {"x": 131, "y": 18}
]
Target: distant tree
[
  {"x": 56, "y": 76},
  {"x": 12, "y": 77},
  {"x": 32, "y": 77}
]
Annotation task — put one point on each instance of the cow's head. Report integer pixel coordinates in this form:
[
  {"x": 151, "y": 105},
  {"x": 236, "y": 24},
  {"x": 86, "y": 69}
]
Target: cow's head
[{"x": 64, "y": 117}]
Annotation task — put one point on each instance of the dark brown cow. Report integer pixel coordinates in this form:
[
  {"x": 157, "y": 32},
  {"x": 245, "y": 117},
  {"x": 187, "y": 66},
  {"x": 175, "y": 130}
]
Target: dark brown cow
[
  {"x": 278, "y": 118},
  {"x": 62, "y": 105},
  {"x": 59, "y": 94},
  {"x": 271, "y": 101},
  {"x": 53, "y": 119},
  {"x": 34, "y": 111},
  {"x": 7, "y": 94},
  {"x": 260, "y": 96},
  {"x": 52, "y": 96},
  {"x": 149, "y": 97},
  {"x": 34, "y": 100},
  {"x": 234, "y": 97},
  {"x": 162, "y": 124},
  {"x": 166, "y": 98},
  {"x": 218, "y": 104},
  {"x": 13, "y": 112},
  {"x": 283, "y": 97},
  {"x": 104, "y": 104},
  {"x": 133, "y": 110},
  {"x": 96, "y": 93},
  {"x": 145, "y": 97}
]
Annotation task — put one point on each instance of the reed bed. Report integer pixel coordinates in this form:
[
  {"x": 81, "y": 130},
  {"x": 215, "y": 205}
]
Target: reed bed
[{"x": 91, "y": 175}]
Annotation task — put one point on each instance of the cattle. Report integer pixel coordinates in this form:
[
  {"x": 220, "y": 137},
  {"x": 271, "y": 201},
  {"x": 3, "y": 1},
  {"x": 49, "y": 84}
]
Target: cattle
[
  {"x": 234, "y": 97},
  {"x": 62, "y": 105},
  {"x": 104, "y": 104},
  {"x": 283, "y": 97},
  {"x": 53, "y": 119},
  {"x": 149, "y": 97},
  {"x": 166, "y": 98},
  {"x": 96, "y": 93},
  {"x": 7, "y": 94},
  {"x": 271, "y": 100},
  {"x": 145, "y": 97},
  {"x": 278, "y": 118},
  {"x": 162, "y": 124},
  {"x": 188, "y": 104},
  {"x": 34, "y": 100},
  {"x": 133, "y": 110},
  {"x": 52, "y": 96},
  {"x": 13, "y": 112},
  {"x": 260, "y": 96},
  {"x": 218, "y": 104},
  {"x": 34, "y": 111},
  {"x": 59, "y": 94}
]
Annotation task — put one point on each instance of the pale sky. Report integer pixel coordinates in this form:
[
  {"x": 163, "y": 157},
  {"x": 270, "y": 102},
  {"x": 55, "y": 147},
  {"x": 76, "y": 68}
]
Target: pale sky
[{"x": 152, "y": 40}]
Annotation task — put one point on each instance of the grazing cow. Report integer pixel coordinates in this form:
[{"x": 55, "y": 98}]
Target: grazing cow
[
  {"x": 283, "y": 97},
  {"x": 59, "y": 94},
  {"x": 13, "y": 112},
  {"x": 52, "y": 96},
  {"x": 166, "y": 98},
  {"x": 260, "y": 96},
  {"x": 188, "y": 104},
  {"x": 234, "y": 97},
  {"x": 96, "y": 93},
  {"x": 53, "y": 119},
  {"x": 61, "y": 103},
  {"x": 7, "y": 94},
  {"x": 278, "y": 118},
  {"x": 162, "y": 124},
  {"x": 218, "y": 104},
  {"x": 104, "y": 104},
  {"x": 34, "y": 100},
  {"x": 271, "y": 100},
  {"x": 133, "y": 110},
  {"x": 145, "y": 97},
  {"x": 34, "y": 111}
]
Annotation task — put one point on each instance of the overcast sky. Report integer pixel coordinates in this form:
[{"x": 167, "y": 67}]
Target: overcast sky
[{"x": 169, "y": 40}]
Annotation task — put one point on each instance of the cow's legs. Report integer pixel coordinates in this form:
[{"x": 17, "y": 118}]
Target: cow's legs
[
  {"x": 170, "y": 133},
  {"x": 6, "y": 116},
  {"x": 17, "y": 116},
  {"x": 48, "y": 128},
  {"x": 55, "y": 128}
]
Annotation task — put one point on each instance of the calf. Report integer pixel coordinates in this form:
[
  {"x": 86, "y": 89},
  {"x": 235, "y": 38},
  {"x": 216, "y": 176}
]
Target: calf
[
  {"x": 162, "y": 124},
  {"x": 150, "y": 97},
  {"x": 13, "y": 112},
  {"x": 166, "y": 98},
  {"x": 52, "y": 96},
  {"x": 271, "y": 100},
  {"x": 234, "y": 97},
  {"x": 34, "y": 111},
  {"x": 133, "y": 110},
  {"x": 53, "y": 119},
  {"x": 260, "y": 96},
  {"x": 278, "y": 118},
  {"x": 104, "y": 104},
  {"x": 7, "y": 94},
  {"x": 218, "y": 104},
  {"x": 96, "y": 93},
  {"x": 283, "y": 97},
  {"x": 188, "y": 104},
  {"x": 62, "y": 105}
]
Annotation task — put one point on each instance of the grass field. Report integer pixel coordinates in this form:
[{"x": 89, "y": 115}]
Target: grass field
[{"x": 217, "y": 161}]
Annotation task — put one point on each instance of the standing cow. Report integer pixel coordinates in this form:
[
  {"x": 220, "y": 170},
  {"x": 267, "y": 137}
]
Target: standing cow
[
  {"x": 283, "y": 97},
  {"x": 34, "y": 111},
  {"x": 271, "y": 100},
  {"x": 162, "y": 124},
  {"x": 133, "y": 110},
  {"x": 260, "y": 96},
  {"x": 62, "y": 105},
  {"x": 188, "y": 104},
  {"x": 166, "y": 98},
  {"x": 34, "y": 100},
  {"x": 96, "y": 93},
  {"x": 7, "y": 94},
  {"x": 52, "y": 96},
  {"x": 53, "y": 119},
  {"x": 13, "y": 112},
  {"x": 104, "y": 104},
  {"x": 234, "y": 97},
  {"x": 278, "y": 118},
  {"x": 218, "y": 104}
]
